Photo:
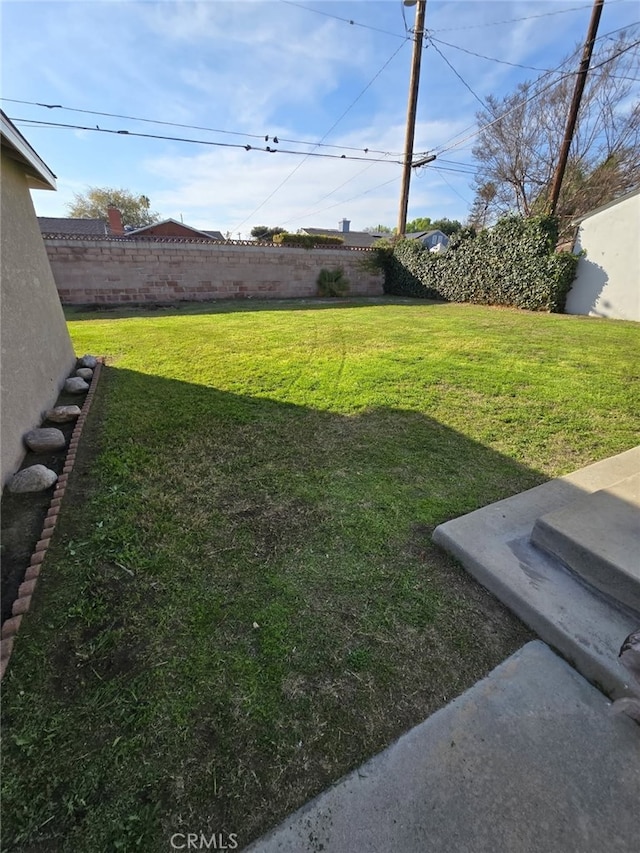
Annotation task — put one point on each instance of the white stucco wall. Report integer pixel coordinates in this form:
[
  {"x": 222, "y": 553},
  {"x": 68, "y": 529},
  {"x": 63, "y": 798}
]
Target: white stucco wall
[
  {"x": 607, "y": 282},
  {"x": 37, "y": 354}
]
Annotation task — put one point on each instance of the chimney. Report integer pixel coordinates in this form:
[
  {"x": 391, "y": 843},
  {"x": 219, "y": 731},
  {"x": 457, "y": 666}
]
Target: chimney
[
  {"x": 115, "y": 221},
  {"x": 344, "y": 225}
]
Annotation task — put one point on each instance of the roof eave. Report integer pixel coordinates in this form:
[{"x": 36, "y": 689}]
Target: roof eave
[{"x": 39, "y": 175}]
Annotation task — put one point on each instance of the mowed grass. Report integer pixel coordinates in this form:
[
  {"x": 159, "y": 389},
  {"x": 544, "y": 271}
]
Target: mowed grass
[{"x": 242, "y": 601}]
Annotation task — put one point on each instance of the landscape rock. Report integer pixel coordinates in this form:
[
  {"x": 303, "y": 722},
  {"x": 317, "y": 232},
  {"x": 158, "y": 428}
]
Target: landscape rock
[
  {"x": 84, "y": 373},
  {"x": 63, "y": 414},
  {"x": 88, "y": 361},
  {"x": 76, "y": 385},
  {"x": 36, "y": 478},
  {"x": 43, "y": 440}
]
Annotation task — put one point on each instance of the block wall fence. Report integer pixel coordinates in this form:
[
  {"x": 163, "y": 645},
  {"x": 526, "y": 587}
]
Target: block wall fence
[{"x": 100, "y": 271}]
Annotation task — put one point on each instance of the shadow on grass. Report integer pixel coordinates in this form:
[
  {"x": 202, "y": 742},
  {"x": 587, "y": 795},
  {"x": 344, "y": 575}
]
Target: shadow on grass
[
  {"x": 231, "y": 306},
  {"x": 241, "y": 603}
]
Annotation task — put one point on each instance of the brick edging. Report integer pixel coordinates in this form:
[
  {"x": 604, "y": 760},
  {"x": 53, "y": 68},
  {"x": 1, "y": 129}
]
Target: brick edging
[{"x": 25, "y": 590}]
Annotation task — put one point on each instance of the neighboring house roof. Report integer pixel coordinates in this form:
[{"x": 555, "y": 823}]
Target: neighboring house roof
[
  {"x": 69, "y": 225},
  {"x": 14, "y": 145},
  {"x": 420, "y": 235},
  {"x": 351, "y": 238},
  {"x": 99, "y": 228},
  {"x": 173, "y": 228}
]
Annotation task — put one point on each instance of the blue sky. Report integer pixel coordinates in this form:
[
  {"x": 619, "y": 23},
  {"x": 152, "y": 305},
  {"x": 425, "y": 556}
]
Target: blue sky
[{"x": 256, "y": 69}]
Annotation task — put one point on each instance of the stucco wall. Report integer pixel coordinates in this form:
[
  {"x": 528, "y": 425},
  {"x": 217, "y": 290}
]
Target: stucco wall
[
  {"x": 36, "y": 349},
  {"x": 95, "y": 271},
  {"x": 607, "y": 282}
]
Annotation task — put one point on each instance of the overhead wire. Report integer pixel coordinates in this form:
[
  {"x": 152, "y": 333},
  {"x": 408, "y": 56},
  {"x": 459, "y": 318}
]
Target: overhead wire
[
  {"x": 329, "y": 194},
  {"x": 344, "y": 20},
  {"x": 451, "y": 187},
  {"x": 333, "y": 126},
  {"x": 432, "y": 38},
  {"x": 268, "y": 150},
  {"x": 458, "y": 75},
  {"x": 275, "y": 137},
  {"x": 443, "y": 148},
  {"x": 518, "y": 20},
  {"x": 353, "y": 198},
  {"x": 445, "y": 29}
]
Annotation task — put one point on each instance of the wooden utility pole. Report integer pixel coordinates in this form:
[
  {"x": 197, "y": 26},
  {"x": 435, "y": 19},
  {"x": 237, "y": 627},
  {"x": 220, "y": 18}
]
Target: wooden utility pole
[
  {"x": 572, "y": 117},
  {"x": 421, "y": 7}
]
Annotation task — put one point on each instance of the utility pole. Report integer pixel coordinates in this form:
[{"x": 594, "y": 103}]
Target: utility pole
[
  {"x": 572, "y": 117},
  {"x": 421, "y": 6}
]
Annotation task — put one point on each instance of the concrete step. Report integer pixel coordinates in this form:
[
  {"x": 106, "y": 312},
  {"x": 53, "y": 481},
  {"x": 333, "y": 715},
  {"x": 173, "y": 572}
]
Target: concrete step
[
  {"x": 528, "y": 759},
  {"x": 493, "y": 544},
  {"x": 598, "y": 537}
]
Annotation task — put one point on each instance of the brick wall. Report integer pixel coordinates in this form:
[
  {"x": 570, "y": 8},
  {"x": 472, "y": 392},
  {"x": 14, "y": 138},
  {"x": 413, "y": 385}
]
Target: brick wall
[{"x": 100, "y": 271}]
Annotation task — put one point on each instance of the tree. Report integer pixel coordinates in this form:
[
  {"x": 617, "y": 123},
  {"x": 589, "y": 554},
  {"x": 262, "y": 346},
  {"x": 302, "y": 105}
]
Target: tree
[
  {"x": 518, "y": 146},
  {"x": 447, "y": 226},
  {"x": 421, "y": 224},
  {"x": 479, "y": 215},
  {"x": 379, "y": 229},
  {"x": 93, "y": 204},
  {"x": 263, "y": 232}
]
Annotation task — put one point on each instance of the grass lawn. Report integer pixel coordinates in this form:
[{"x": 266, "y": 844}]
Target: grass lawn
[{"x": 242, "y": 601}]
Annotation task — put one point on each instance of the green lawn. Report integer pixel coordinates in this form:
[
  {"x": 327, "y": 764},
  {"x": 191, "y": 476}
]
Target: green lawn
[{"x": 242, "y": 601}]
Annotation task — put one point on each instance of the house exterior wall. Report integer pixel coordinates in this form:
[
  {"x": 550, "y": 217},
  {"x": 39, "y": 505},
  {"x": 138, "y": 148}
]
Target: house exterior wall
[
  {"x": 98, "y": 272},
  {"x": 37, "y": 354},
  {"x": 607, "y": 282},
  {"x": 435, "y": 239}
]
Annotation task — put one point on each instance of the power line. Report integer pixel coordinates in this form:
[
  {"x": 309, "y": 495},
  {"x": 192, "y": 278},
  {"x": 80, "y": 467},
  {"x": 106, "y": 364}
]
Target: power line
[
  {"x": 446, "y": 29},
  {"x": 615, "y": 55},
  {"x": 266, "y": 137},
  {"x": 327, "y": 195},
  {"x": 333, "y": 126},
  {"x": 488, "y": 58},
  {"x": 471, "y": 170},
  {"x": 536, "y": 94},
  {"x": 353, "y": 198},
  {"x": 517, "y": 20},
  {"x": 451, "y": 187},
  {"x": 458, "y": 75},
  {"x": 344, "y": 20},
  {"x": 307, "y": 213},
  {"x": 28, "y": 122},
  {"x": 431, "y": 39},
  {"x": 452, "y": 170}
]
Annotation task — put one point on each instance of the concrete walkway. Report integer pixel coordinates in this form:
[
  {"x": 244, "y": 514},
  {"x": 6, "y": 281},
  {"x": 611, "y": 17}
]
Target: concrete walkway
[{"x": 529, "y": 759}]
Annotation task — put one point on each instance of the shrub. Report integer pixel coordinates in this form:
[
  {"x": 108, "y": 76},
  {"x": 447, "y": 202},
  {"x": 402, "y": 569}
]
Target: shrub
[
  {"x": 513, "y": 264},
  {"x": 332, "y": 283},
  {"x": 307, "y": 241}
]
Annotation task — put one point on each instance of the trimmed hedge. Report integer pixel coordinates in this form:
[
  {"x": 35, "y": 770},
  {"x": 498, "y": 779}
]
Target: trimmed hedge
[
  {"x": 514, "y": 263},
  {"x": 307, "y": 241}
]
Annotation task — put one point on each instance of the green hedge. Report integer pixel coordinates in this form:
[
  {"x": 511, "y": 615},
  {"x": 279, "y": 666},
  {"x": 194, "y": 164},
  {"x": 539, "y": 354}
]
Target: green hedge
[
  {"x": 514, "y": 263},
  {"x": 307, "y": 241}
]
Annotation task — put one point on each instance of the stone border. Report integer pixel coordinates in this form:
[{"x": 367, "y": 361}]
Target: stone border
[{"x": 26, "y": 589}]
